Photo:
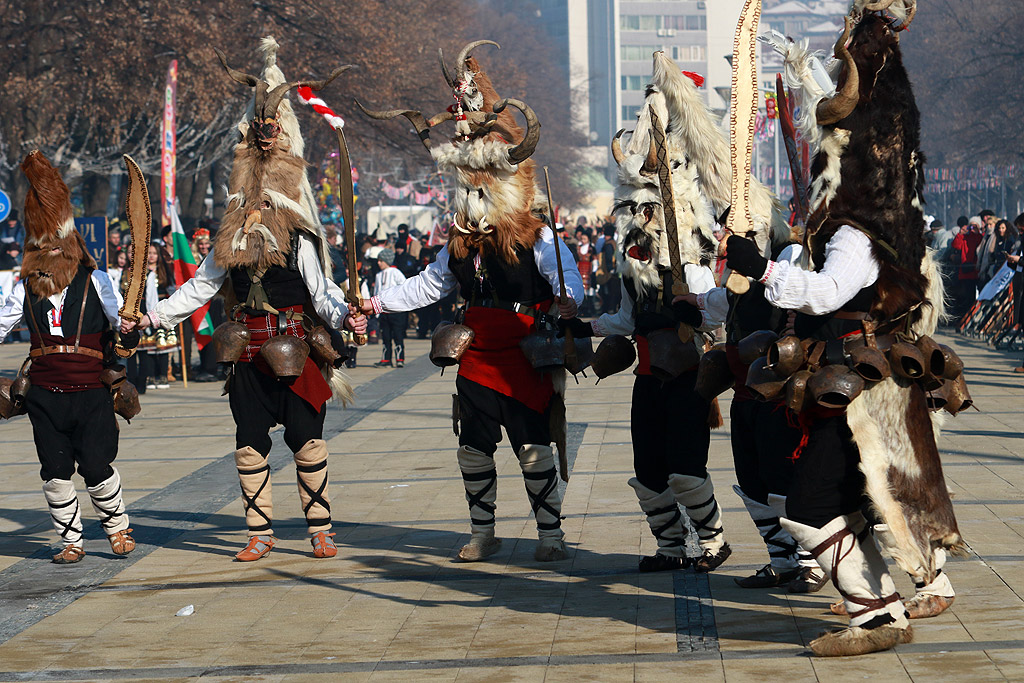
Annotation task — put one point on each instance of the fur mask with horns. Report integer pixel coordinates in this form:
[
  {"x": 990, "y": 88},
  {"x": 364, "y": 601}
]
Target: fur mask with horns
[
  {"x": 489, "y": 160},
  {"x": 54, "y": 249},
  {"x": 269, "y": 192}
]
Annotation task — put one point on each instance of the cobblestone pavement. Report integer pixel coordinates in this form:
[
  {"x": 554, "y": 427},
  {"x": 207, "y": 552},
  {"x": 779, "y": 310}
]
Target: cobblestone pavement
[{"x": 395, "y": 606}]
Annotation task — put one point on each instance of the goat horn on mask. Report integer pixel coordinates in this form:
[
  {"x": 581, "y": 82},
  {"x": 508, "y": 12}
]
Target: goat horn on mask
[
  {"x": 842, "y": 105},
  {"x": 460, "y": 61},
  {"x": 526, "y": 148},
  {"x": 617, "y": 152},
  {"x": 278, "y": 93}
]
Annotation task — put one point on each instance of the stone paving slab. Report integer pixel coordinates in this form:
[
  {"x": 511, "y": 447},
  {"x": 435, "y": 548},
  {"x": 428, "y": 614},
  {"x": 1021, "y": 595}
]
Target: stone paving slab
[{"x": 395, "y": 606}]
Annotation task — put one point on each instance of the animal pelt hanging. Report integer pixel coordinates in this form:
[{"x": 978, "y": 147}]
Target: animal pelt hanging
[
  {"x": 54, "y": 249},
  {"x": 490, "y": 191}
]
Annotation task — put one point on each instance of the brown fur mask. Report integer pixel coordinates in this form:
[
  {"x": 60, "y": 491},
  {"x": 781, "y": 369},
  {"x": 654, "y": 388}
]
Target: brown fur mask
[
  {"x": 264, "y": 206},
  {"x": 53, "y": 248},
  {"x": 490, "y": 193}
]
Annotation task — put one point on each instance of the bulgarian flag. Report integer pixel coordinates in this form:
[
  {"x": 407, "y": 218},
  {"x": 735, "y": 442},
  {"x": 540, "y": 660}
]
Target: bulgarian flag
[{"x": 184, "y": 270}]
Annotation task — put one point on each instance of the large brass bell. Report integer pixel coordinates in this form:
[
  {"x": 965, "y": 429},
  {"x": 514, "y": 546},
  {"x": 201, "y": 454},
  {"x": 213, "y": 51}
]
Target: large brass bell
[
  {"x": 670, "y": 356},
  {"x": 544, "y": 349},
  {"x": 906, "y": 360},
  {"x": 7, "y": 407},
  {"x": 614, "y": 354},
  {"x": 321, "y": 348},
  {"x": 934, "y": 363},
  {"x": 954, "y": 367},
  {"x": 584, "y": 356},
  {"x": 959, "y": 398},
  {"x": 229, "y": 340},
  {"x": 786, "y": 356},
  {"x": 938, "y": 398},
  {"x": 286, "y": 355},
  {"x": 126, "y": 401},
  {"x": 755, "y": 345},
  {"x": 796, "y": 390},
  {"x": 19, "y": 389},
  {"x": 448, "y": 342},
  {"x": 870, "y": 363},
  {"x": 113, "y": 377},
  {"x": 834, "y": 386},
  {"x": 714, "y": 374},
  {"x": 763, "y": 381}
]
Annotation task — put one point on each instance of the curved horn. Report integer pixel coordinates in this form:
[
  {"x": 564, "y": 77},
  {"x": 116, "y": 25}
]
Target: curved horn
[
  {"x": 444, "y": 69},
  {"x": 911, "y": 11},
  {"x": 524, "y": 149},
  {"x": 460, "y": 61},
  {"x": 617, "y": 152},
  {"x": 278, "y": 93},
  {"x": 241, "y": 77},
  {"x": 879, "y": 6},
  {"x": 438, "y": 119},
  {"x": 650, "y": 166},
  {"x": 842, "y": 105},
  {"x": 415, "y": 118}
]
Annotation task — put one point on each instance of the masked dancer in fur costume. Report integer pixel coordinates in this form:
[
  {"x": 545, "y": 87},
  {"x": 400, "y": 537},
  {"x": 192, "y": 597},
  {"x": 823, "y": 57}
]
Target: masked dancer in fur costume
[
  {"x": 669, "y": 419},
  {"x": 501, "y": 257},
  {"x": 271, "y": 250},
  {"x": 866, "y": 302},
  {"x": 70, "y": 308}
]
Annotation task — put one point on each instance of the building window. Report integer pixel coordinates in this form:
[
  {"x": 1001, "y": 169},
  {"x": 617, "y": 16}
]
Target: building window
[
  {"x": 630, "y": 111},
  {"x": 637, "y": 53},
  {"x": 681, "y": 22},
  {"x": 634, "y": 83},
  {"x": 689, "y": 53},
  {"x": 640, "y": 22}
]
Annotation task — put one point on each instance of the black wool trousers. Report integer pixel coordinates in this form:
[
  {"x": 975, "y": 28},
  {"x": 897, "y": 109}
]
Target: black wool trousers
[
  {"x": 73, "y": 428},
  {"x": 484, "y": 412},
  {"x": 827, "y": 482},
  {"x": 764, "y": 436},
  {"x": 392, "y": 330},
  {"x": 260, "y": 402},
  {"x": 669, "y": 427}
]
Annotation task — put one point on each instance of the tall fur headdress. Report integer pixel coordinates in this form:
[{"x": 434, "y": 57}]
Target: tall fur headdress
[{"x": 54, "y": 249}]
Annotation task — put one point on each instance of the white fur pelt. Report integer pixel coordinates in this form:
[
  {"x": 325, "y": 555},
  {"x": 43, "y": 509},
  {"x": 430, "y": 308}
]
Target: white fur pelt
[
  {"x": 808, "y": 82},
  {"x": 878, "y": 422},
  {"x": 693, "y": 133}
]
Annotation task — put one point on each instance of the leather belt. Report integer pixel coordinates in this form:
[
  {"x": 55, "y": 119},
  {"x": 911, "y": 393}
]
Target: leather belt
[
  {"x": 515, "y": 307},
  {"x": 49, "y": 350}
]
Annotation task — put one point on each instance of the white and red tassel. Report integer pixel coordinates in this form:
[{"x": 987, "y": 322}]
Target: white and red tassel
[{"x": 320, "y": 107}]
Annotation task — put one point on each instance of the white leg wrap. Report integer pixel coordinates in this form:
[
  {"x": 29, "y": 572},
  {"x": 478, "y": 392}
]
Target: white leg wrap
[
  {"x": 697, "y": 495},
  {"x": 538, "y": 463},
  {"x": 481, "y": 482},
  {"x": 254, "y": 478},
  {"x": 311, "y": 470},
  {"x": 941, "y": 585},
  {"x": 64, "y": 510},
  {"x": 106, "y": 500},
  {"x": 664, "y": 517},
  {"x": 850, "y": 557},
  {"x": 781, "y": 546}
]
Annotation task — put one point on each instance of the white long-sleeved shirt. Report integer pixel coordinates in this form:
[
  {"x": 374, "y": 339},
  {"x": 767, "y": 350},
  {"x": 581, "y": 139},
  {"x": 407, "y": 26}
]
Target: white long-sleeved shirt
[
  {"x": 436, "y": 281},
  {"x": 699, "y": 279},
  {"x": 327, "y": 297},
  {"x": 850, "y": 266},
  {"x": 388, "y": 278},
  {"x": 13, "y": 310}
]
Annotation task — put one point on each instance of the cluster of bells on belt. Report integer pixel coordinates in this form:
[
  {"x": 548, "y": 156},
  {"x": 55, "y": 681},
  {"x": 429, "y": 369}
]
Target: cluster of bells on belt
[
  {"x": 543, "y": 348},
  {"x": 801, "y": 374},
  {"x": 126, "y": 397},
  {"x": 285, "y": 354},
  {"x": 166, "y": 339}
]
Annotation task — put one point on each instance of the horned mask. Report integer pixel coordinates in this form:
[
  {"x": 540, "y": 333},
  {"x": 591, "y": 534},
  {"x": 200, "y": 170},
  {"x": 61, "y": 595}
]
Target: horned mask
[{"x": 488, "y": 157}]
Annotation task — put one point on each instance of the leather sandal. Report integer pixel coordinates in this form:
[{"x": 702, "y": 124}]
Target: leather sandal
[
  {"x": 122, "y": 543},
  {"x": 709, "y": 561},
  {"x": 662, "y": 563},
  {"x": 70, "y": 554},
  {"x": 257, "y": 547},
  {"x": 323, "y": 544}
]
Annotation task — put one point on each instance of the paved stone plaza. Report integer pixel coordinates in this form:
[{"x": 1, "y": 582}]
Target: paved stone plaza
[{"x": 394, "y": 606}]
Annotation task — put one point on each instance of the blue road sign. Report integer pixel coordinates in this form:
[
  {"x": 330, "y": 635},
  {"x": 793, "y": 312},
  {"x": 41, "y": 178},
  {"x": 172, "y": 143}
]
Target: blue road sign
[{"x": 5, "y": 206}]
